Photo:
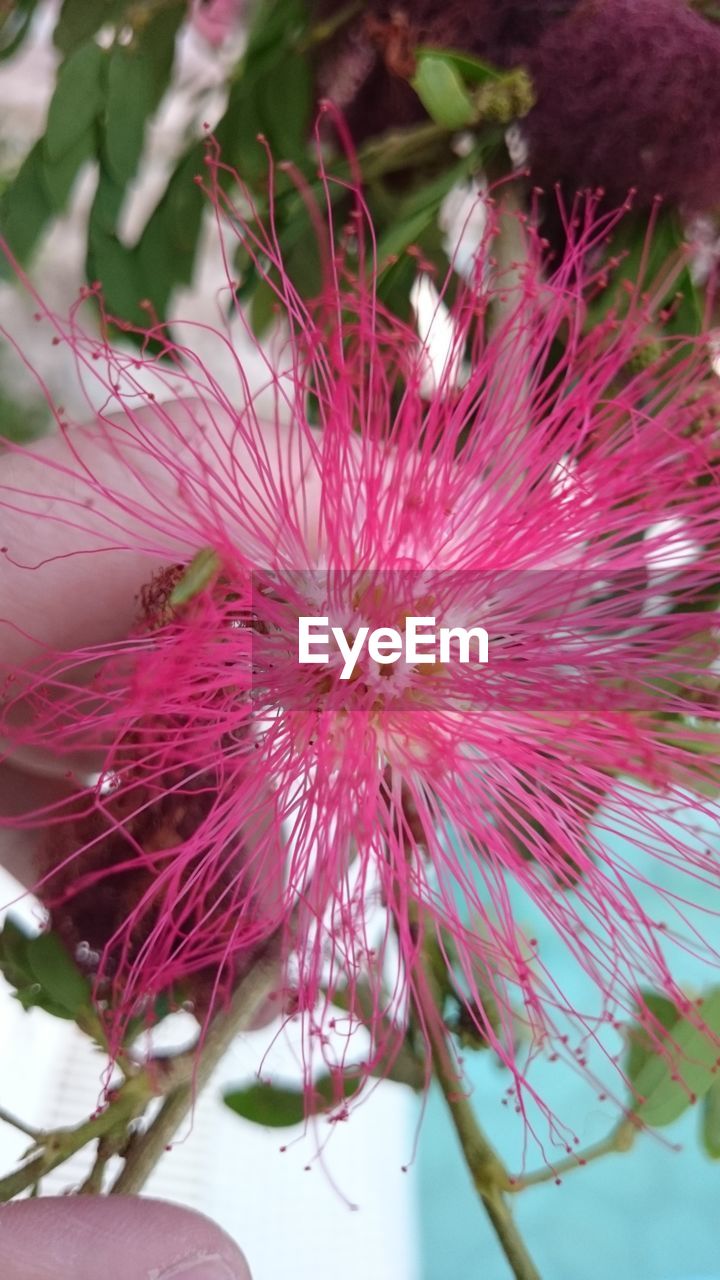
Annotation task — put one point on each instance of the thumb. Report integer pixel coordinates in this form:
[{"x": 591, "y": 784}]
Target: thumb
[{"x": 116, "y": 1237}]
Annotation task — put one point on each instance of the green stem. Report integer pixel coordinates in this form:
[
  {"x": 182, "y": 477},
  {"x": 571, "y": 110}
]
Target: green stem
[
  {"x": 509, "y": 249},
  {"x": 324, "y": 31},
  {"x": 57, "y": 1147},
  {"x": 490, "y": 1178},
  {"x": 621, "y": 1139},
  {"x": 106, "y": 1149},
  {"x": 191, "y": 1073},
  {"x": 402, "y": 149},
  {"x": 178, "y": 1079},
  {"x": 8, "y": 1118},
  {"x": 146, "y": 1150}
]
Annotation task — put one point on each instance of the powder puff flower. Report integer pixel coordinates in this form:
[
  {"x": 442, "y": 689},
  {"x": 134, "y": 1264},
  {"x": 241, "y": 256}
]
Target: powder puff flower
[{"x": 156, "y": 565}]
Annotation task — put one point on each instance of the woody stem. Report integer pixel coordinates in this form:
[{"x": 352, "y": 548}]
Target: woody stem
[
  {"x": 490, "y": 1178},
  {"x": 147, "y": 1150}
]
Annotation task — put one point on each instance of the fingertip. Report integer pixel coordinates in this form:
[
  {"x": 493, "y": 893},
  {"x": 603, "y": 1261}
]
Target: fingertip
[{"x": 116, "y": 1237}]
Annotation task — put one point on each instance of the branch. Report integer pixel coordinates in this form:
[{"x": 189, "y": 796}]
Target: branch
[
  {"x": 190, "y": 1073},
  {"x": 327, "y": 29},
  {"x": 106, "y": 1149},
  {"x": 59, "y": 1145},
  {"x": 487, "y": 1171},
  {"x": 8, "y": 1118},
  {"x": 621, "y": 1139}
]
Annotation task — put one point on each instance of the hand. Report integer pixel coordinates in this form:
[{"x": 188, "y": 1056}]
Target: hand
[
  {"x": 67, "y": 583},
  {"x": 113, "y": 1238},
  {"x": 85, "y": 1238}
]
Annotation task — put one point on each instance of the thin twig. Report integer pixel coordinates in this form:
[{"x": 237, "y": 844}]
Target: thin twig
[
  {"x": 490, "y": 1178},
  {"x": 59, "y": 1145},
  {"x": 509, "y": 248},
  {"x": 8, "y": 1118},
  {"x": 148, "y": 1148},
  {"x": 324, "y": 31},
  {"x": 106, "y": 1149},
  {"x": 621, "y": 1139}
]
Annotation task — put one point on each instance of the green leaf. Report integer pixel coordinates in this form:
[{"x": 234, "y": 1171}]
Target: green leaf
[
  {"x": 710, "y": 1121},
  {"x": 667, "y": 243},
  {"x": 107, "y": 204},
  {"x": 22, "y": 420},
  {"x": 124, "y": 286},
  {"x": 271, "y": 94},
  {"x": 684, "y": 299},
  {"x": 25, "y": 208},
  {"x": 269, "y": 1105},
  {"x": 279, "y": 1107},
  {"x": 326, "y": 1092},
  {"x": 59, "y": 177},
  {"x": 57, "y": 974},
  {"x": 285, "y": 117},
  {"x": 699, "y": 742},
  {"x": 42, "y": 973},
  {"x": 76, "y": 101},
  {"x": 14, "y": 27},
  {"x": 199, "y": 574},
  {"x": 166, "y": 250},
  {"x": 472, "y": 70},
  {"x": 14, "y": 964},
  {"x": 277, "y": 23},
  {"x": 115, "y": 267},
  {"x": 80, "y": 19},
  {"x": 671, "y": 1081},
  {"x": 262, "y": 307},
  {"x": 640, "y": 1045},
  {"x": 395, "y": 282},
  {"x": 303, "y": 265},
  {"x": 237, "y": 132},
  {"x": 137, "y": 78},
  {"x": 419, "y": 210},
  {"x": 402, "y": 234},
  {"x": 131, "y": 99},
  {"x": 442, "y": 92}
]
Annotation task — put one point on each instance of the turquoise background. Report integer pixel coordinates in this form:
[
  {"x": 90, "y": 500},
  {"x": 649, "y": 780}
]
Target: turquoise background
[{"x": 652, "y": 1214}]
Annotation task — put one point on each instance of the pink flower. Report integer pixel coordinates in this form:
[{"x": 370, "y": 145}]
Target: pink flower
[
  {"x": 562, "y": 495},
  {"x": 215, "y": 20}
]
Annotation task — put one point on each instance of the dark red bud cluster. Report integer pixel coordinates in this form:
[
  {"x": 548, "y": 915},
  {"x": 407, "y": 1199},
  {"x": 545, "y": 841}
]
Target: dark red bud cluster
[{"x": 628, "y": 91}]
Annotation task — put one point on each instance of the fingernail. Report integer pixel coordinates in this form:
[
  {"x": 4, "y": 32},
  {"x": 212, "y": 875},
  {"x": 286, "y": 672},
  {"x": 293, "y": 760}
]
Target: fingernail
[{"x": 212, "y": 1268}]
